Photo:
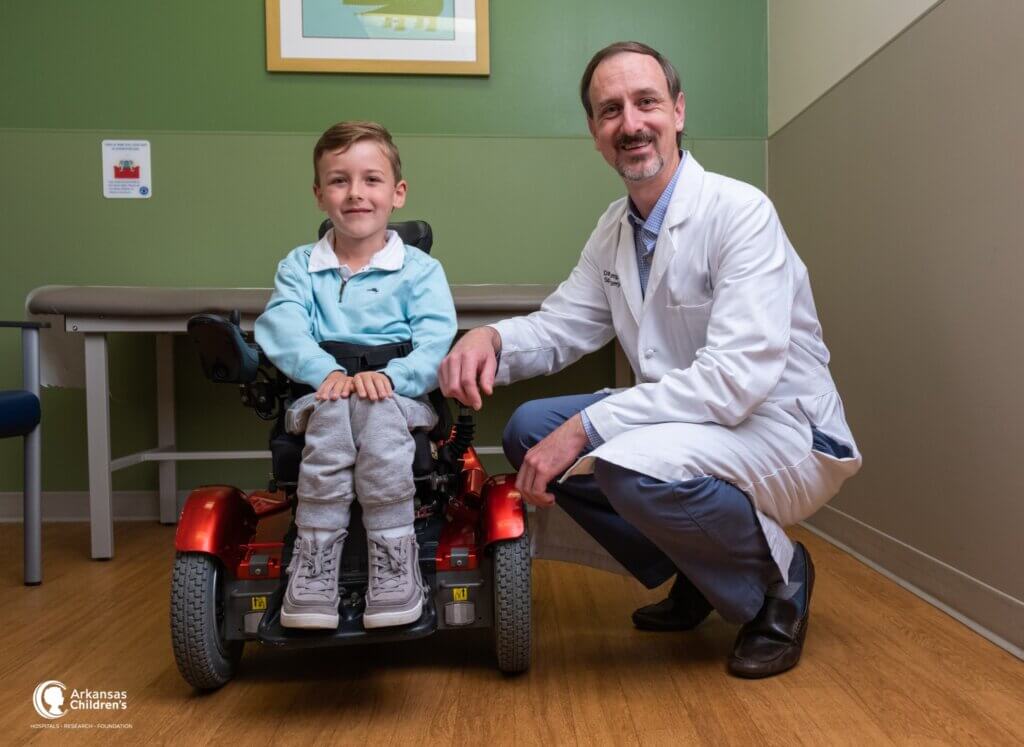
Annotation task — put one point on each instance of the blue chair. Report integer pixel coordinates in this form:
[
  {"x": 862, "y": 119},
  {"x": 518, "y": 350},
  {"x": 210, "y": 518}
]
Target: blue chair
[{"x": 19, "y": 416}]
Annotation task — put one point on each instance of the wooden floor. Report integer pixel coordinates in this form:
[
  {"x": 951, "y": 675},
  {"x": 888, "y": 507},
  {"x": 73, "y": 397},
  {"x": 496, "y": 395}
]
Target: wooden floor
[{"x": 880, "y": 666}]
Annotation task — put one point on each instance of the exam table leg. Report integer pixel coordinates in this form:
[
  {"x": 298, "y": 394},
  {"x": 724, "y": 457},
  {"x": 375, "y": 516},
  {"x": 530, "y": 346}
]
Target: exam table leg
[
  {"x": 165, "y": 427},
  {"x": 623, "y": 371},
  {"x": 97, "y": 408}
]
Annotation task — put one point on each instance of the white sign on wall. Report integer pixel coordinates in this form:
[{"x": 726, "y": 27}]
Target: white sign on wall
[{"x": 126, "y": 169}]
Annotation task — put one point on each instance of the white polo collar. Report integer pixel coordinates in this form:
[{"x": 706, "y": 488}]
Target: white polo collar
[{"x": 390, "y": 257}]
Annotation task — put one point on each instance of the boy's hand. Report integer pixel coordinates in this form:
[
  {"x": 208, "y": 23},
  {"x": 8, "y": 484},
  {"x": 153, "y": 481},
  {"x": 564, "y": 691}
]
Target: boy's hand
[
  {"x": 372, "y": 385},
  {"x": 333, "y": 386}
]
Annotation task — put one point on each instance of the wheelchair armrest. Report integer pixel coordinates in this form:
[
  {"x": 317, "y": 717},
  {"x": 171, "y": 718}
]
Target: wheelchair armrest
[{"x": 225, "y": 355}]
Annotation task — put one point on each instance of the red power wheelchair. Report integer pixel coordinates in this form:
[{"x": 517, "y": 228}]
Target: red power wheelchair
[{"x": 233, "y": 547}]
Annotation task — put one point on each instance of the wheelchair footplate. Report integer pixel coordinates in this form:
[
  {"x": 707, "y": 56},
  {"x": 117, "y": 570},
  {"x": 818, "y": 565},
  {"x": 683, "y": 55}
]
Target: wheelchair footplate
[{"x": 350, "y": 628}]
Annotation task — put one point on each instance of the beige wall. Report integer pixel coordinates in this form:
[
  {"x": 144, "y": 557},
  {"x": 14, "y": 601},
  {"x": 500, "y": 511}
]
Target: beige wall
[
  {"x": 813, "y": 44},
  {"x": 903, "y": 190}
]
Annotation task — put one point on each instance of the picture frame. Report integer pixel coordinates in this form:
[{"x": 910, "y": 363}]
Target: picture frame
[{"x": 411, "y": 37}]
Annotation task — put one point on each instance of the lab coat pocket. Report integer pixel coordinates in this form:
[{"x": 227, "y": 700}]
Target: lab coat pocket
[
  {"x": 823, "y": 473},
  {"x": 833, "y": 452},
  {"x": 687, "y": 329}
]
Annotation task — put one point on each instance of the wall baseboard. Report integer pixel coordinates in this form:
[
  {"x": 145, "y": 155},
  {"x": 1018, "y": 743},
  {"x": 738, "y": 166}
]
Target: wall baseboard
[
  {"x": 73, "y": 505},
  {"x": 991, "y": 613}
]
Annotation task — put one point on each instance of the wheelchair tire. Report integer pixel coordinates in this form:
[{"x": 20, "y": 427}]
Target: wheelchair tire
[
  {"x": 512, "y": 605},
  {"x": 205, "y": 659}
]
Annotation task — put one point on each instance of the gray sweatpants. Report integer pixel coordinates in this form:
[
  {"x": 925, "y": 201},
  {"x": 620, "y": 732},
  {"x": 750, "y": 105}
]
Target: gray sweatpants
[{"x": 357, "y": 447}]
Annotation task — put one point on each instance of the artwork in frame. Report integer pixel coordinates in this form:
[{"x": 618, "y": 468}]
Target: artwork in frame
[{"x": 421, "y": 37}]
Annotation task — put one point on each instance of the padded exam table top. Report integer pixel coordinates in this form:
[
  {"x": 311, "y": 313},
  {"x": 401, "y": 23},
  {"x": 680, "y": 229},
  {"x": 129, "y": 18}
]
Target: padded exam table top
[{"x": 134, "y": 301}]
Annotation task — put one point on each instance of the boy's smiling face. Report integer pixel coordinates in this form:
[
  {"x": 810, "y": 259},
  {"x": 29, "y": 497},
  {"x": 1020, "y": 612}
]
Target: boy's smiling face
[{"x": 358, "y": 192}]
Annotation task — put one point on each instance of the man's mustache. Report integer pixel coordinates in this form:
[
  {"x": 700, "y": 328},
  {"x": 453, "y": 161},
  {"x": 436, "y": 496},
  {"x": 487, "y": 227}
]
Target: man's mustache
[{"x": 638, "y": 138}]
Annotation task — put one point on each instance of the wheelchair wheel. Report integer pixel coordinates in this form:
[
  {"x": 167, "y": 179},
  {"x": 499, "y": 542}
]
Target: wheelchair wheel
[
  {"x": 512, "y": 604},
  {"x": 205, "y": 659}
]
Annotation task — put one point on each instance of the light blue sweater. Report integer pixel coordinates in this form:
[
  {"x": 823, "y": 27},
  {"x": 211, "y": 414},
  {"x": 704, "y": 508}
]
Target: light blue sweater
[{"x": 401, "y": 295}]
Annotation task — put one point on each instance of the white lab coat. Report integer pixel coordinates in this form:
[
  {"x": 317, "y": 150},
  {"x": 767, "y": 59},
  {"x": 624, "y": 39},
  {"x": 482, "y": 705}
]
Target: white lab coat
[{"x": 726, "y": 348}]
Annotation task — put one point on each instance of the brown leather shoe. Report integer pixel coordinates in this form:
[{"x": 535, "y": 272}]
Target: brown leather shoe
[
  {"x": 684, "y": 609},
  {"x": 772, "y": 642}
]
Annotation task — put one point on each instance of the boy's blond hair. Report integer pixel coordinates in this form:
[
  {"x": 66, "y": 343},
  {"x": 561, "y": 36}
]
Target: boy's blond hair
[{"x": 344, "y": 134}]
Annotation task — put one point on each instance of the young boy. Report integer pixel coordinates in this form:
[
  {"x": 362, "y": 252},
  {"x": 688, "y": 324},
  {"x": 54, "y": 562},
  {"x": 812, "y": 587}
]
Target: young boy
[{"x": 359, "y": 284}]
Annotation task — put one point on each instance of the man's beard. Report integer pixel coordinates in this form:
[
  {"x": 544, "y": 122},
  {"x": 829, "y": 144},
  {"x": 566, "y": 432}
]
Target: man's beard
[{"x": 640, "y": 171}]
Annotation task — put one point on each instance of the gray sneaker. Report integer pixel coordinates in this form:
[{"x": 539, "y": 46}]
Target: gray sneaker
[
  {"x": 395, "y": 592},
  {"x": 311, "y": 599}
]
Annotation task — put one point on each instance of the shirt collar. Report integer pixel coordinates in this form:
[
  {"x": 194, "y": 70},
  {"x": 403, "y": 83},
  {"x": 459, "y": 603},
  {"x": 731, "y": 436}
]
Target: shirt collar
[
  {"x": 653, "y": 223},
  {"x": 389, "y": 258}
]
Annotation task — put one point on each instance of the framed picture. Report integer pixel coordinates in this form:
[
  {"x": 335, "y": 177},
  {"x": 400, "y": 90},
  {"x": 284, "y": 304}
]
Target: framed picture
[{"x": 421, "y": 37}]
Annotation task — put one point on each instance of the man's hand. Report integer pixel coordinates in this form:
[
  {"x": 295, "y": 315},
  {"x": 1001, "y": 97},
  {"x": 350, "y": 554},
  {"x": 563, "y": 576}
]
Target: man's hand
[
  {"x": 549, "y": 459},
  {"x": 470, "y": 366},
  {"x": 371, "y": 385}
]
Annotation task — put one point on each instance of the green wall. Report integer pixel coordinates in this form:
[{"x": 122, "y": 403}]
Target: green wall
[
  {"x": 501, "y": 166},
  {"x": 200, "y": 65}
]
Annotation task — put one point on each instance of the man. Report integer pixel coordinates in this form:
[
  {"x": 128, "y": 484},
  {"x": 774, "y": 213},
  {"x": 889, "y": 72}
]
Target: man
[{"x": 734, "y": 428}]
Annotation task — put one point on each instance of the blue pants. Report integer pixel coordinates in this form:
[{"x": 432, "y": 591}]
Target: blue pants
[{"x": 704, "y": 528}]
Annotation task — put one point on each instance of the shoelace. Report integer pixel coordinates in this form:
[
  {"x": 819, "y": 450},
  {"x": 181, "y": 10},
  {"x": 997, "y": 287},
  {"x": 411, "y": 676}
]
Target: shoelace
[
  {"x": 388, "y": 559},
  {"x": 317, "y": 566}
]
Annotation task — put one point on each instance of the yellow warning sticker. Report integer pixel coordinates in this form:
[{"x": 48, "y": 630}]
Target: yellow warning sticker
[
  {"x": 259, "y": 603},
  {"x": 460, "y": 594}
]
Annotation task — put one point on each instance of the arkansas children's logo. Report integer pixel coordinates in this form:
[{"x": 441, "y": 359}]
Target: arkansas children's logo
[
  {"x": 126, "y": 170},
  {"x": 48, "y": 699},
  {"x": 53, "y": 699}
]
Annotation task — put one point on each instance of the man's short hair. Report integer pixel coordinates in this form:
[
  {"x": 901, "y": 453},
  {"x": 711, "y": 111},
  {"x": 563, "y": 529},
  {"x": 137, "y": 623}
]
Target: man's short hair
[
  {"x": 671, "y": 74},
  {"x": 344, "y": 135}
]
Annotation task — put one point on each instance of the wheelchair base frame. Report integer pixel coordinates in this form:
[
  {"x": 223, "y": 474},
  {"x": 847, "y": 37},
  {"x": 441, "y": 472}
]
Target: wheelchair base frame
[{"x": 455, "y": 561}]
